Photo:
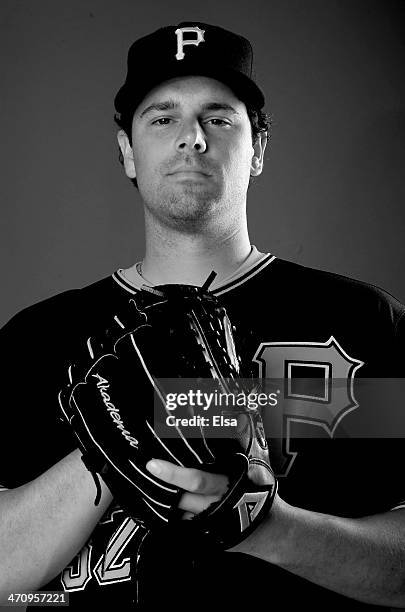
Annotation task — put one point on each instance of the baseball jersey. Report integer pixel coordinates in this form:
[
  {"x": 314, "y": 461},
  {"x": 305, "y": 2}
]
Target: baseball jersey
[{"x": 292, "y": 322}]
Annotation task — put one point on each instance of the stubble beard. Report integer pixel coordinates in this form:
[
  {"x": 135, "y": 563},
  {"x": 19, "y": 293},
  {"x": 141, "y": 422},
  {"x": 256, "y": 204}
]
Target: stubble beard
[{"x": 187, "y": 207}]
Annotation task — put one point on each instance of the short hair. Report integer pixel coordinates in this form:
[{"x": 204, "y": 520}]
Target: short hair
[{"x": 260, "y": 122}]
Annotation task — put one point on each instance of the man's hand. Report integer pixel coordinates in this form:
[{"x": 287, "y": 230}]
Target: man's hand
[
  {"x": 203, "y": 488},
  {"x": 310, "y": 544}
]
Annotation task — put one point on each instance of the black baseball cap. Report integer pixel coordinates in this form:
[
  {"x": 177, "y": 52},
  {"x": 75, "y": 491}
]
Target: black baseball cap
[{"x": 189, "y": 48}]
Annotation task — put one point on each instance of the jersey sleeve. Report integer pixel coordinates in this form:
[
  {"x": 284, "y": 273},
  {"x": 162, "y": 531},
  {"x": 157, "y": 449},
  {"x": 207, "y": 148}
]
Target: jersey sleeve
[
  {"x": 399, "y": 356},
  {"x": 32, "y": 436},
  {"x": 400, "y": 339},
  {"x": 379, "y": 459},
  {"x": 385, "y": 454}
]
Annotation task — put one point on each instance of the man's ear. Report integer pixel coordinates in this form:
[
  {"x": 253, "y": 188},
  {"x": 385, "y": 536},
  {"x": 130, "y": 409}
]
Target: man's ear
[
  {"x": 259, "y": 148},
  {"x": 127, "y": 154}
]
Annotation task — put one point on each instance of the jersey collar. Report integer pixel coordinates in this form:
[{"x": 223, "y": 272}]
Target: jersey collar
[{"x": 253, "y": 265}]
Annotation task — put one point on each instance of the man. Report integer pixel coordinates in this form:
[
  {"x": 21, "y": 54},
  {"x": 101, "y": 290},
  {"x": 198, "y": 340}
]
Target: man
[{"x": 191, "y": 138}]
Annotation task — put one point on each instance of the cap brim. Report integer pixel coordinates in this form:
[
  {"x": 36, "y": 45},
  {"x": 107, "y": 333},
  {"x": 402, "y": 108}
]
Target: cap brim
[{"x": 131, "y": 95}]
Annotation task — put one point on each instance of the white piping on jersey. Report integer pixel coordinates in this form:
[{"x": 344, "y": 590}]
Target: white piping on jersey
[
  {"x": 117, "y": 277},
  {"x": 234, "y": 283},
  {"x": 244, "y": 276},
  {"x": 399, "y": 507}
]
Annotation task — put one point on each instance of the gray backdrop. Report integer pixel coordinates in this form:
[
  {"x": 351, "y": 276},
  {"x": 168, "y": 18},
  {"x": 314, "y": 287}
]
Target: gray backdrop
[{"x": 332, "y": 192}]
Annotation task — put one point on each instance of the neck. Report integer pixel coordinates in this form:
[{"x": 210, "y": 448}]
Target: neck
[{"x": 177, "y": 256}]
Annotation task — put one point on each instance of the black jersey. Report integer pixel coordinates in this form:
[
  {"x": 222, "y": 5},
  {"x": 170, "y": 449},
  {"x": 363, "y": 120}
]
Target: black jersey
[{"x": 288, "y": 317}]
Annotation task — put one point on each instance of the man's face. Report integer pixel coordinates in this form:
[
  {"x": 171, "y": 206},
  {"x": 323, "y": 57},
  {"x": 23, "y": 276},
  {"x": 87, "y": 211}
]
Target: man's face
[{"x": 191, "y": 151}]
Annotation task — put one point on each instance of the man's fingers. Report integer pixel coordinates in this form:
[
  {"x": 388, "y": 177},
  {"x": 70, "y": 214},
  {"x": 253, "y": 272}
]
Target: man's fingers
[
  {"x": 189, "y": 479},
  {"x": 195, "y": 504},
  {"x": 203, "y": 488}
]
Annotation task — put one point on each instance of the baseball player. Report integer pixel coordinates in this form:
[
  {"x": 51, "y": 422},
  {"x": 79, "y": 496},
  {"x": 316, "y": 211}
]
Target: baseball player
[{"x": 192, "y": 135}]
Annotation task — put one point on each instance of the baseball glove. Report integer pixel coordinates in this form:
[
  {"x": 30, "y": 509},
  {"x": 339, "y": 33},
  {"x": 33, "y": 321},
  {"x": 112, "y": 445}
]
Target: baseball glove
[{"x": 115, "y": 401}]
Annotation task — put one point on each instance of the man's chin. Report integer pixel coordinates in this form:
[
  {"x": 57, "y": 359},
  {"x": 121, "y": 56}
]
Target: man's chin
[
  {"x": 185, "y": 202},
  {"x": 191, "y": 197},
  {"x": 191, "y": 212}
]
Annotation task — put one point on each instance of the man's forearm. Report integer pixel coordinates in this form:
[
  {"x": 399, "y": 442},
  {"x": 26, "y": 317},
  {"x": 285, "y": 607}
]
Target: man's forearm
[
  {"x": 44, "y": 523},
  {"x": 360, "y": 558}
]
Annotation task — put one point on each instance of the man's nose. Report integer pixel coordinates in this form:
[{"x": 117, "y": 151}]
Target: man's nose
[{"x": 191, "y": 137}]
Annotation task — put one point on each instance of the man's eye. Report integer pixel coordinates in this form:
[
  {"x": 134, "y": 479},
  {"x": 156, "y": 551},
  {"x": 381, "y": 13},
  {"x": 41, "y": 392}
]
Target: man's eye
[
  {"x": 161, "y": 121},
  {"x": 218, "y": 122}
]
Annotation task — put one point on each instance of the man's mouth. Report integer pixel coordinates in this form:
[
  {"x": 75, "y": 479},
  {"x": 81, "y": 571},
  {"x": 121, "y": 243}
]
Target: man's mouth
[{"x": 190, "y": 171}]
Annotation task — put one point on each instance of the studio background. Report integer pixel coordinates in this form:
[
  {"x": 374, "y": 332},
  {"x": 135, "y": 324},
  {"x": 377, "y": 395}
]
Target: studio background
[{"x": 332, "y": 192}]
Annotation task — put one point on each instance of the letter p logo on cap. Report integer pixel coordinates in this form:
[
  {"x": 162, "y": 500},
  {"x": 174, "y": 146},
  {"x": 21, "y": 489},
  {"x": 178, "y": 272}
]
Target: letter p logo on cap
[{"x": 181, "y": 42}]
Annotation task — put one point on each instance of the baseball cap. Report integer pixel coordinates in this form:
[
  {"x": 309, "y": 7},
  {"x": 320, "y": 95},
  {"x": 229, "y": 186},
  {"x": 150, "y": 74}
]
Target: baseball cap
[{"x": 189, "y": 48}]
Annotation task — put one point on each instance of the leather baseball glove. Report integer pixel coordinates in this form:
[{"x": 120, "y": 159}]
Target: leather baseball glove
[{"x": 115, "y": 400}]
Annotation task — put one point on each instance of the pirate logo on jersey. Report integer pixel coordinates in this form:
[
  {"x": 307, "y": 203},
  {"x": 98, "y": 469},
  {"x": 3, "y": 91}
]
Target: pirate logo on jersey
[{"x": 315, "y": 386}]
